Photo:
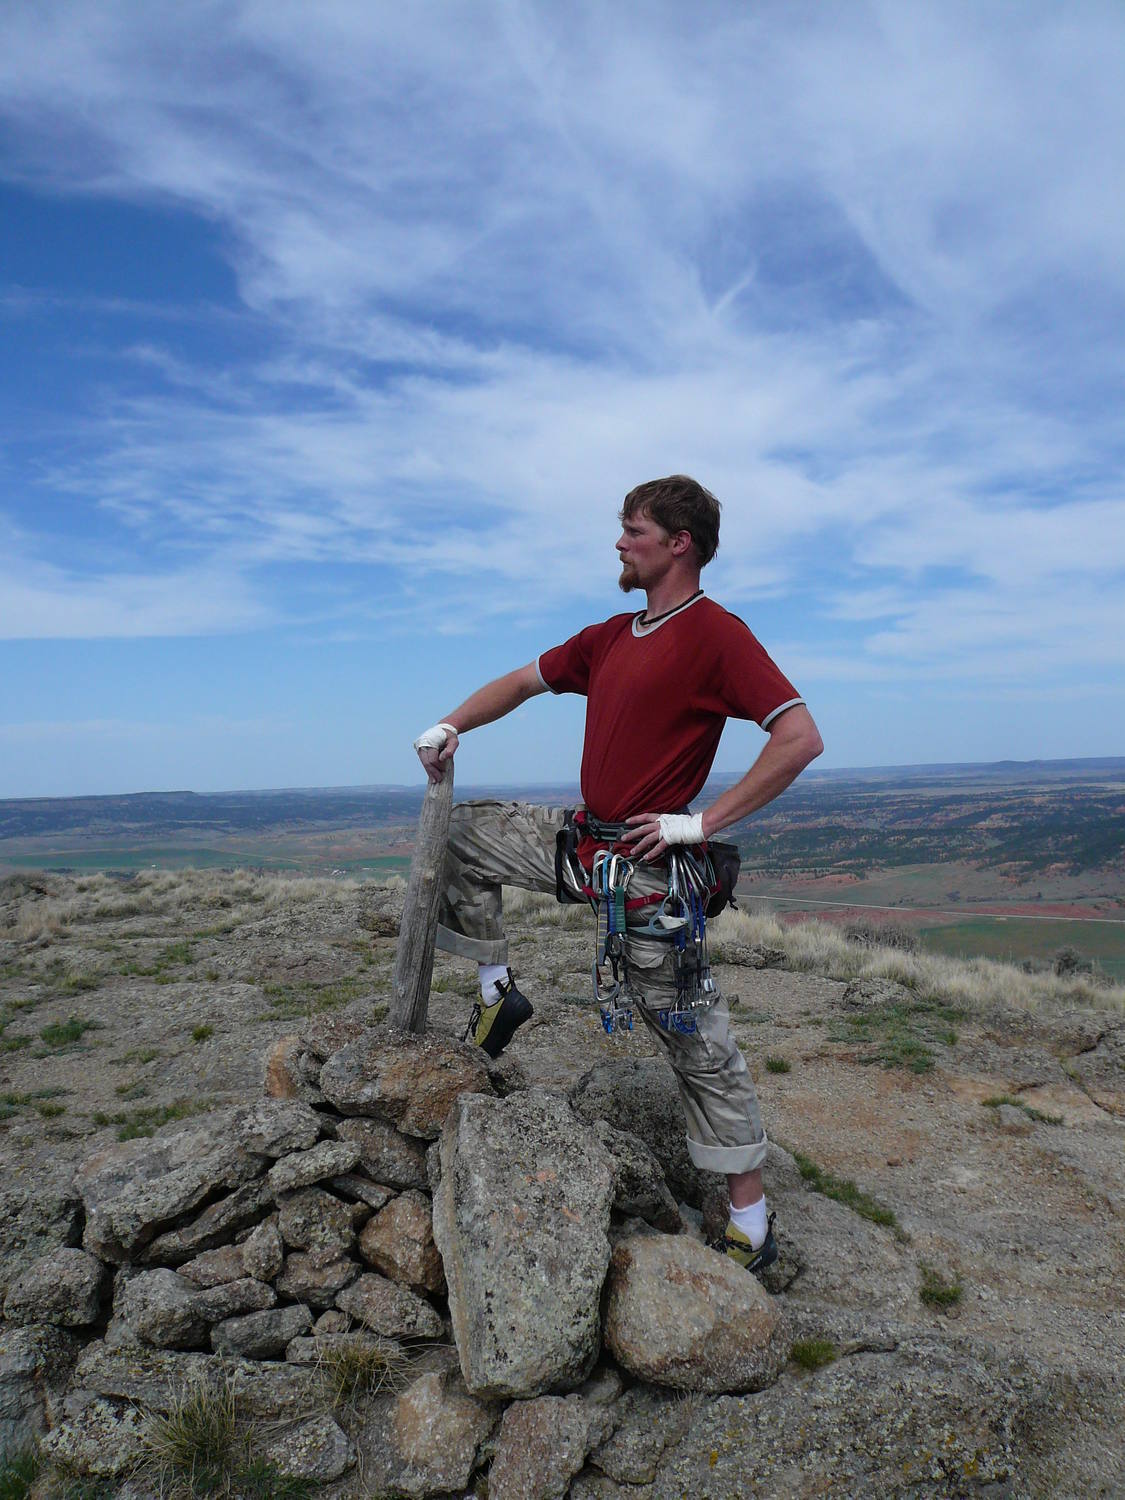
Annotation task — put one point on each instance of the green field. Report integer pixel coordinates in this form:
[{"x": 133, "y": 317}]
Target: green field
[{"x": 1014, "y": 938}]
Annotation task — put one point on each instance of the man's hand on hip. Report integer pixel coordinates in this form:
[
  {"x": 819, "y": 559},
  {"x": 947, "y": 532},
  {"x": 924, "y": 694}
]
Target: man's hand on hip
[
  {"x": 655, "y": 833},
  {"x": 435, "y": 746}
]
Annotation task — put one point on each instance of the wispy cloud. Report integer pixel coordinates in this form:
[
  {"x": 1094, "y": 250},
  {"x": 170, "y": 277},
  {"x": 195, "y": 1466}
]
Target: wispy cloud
[{"x": 511, "y": 260}]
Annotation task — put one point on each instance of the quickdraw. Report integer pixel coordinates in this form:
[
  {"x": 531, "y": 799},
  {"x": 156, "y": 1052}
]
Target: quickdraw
[{"x": 609, "y": 881}]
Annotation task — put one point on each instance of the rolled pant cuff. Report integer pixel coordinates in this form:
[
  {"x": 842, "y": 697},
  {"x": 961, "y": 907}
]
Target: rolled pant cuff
[
  {"x": 727, "y": 1158},
  {"x": 480, "y": 950}
]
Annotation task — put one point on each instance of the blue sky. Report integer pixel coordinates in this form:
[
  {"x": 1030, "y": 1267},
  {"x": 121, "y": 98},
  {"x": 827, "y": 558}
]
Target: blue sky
[{"x": 333, "y": 336}]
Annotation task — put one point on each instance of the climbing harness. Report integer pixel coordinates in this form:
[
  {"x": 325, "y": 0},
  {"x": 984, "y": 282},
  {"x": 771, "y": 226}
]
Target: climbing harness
[{"x": 700, "y": 884}]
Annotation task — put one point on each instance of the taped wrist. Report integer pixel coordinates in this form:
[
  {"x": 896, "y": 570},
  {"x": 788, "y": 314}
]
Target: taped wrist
[
  {"x": 435, "y": 737},
  {"x": 681, "y": 828}
]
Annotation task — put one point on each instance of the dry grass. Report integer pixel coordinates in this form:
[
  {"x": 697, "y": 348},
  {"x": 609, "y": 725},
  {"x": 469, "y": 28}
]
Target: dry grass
[
  {"x": 167, "y": 893},
  {"x": 974, "y": 984}
]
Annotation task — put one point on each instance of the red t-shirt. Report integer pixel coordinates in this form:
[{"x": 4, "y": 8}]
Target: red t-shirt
[{"x": 657, "y": 702}]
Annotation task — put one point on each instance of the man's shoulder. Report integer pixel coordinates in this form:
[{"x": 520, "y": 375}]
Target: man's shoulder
[{"x": 713, "y": 616}]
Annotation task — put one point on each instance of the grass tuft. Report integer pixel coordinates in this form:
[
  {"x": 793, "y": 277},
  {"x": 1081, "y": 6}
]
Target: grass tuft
[
  {"x": 66, "y": 1033},
  {"x": 996, "y": 1100},
  {"x": 201, "y": 1033},
  {"x": 18, "y": 1472},
  {"x": 778, "y": 1065},
  {"x": 200, "y": 1448},
  {"x": 358, "y": 1368},
  {"x": 935, "y": 1291},
  {"x": 844, "y": 1190},
  {"x": 148, "y": 1119},
  {"x": 813, "y": 1354}
]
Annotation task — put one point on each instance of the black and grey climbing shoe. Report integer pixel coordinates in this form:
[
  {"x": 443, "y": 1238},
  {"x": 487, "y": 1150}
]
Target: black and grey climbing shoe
[
  {"x": 737, "y": 1245},
  {"x": 493, "y": 1026}
]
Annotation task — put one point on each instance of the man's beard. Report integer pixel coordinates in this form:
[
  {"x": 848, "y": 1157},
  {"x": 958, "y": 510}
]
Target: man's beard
[{"x": 628, "y": 580}]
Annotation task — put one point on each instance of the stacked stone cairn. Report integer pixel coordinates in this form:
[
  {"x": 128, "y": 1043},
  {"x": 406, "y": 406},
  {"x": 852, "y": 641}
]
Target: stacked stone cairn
[{"x": 515, "y": 1260}]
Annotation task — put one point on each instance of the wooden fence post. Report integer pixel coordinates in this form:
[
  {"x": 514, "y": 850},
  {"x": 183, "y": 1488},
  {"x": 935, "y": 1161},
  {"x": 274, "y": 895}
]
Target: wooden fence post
[{"x": 414, "y": 961}]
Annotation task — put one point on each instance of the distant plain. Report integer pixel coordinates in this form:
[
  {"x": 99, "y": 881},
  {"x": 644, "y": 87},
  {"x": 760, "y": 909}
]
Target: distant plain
[{"x": 1013, "y": 860}]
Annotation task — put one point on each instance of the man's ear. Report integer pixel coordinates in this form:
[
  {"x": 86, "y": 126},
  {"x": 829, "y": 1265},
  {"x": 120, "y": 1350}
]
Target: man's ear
[{"x": 681, "y": 543}]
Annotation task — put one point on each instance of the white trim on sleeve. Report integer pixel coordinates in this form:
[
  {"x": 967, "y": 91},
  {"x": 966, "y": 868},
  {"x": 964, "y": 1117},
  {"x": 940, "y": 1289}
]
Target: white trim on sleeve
[
  {"x": 542, "y": 679},
  {"x": 780, "y": 709}
]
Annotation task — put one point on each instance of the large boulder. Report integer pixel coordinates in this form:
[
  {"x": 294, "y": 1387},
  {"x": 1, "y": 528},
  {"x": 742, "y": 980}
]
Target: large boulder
[
  {"x": 36, "y": 1218},
  {"x": 678, "y": 1314},
  {"x": 409, "y": 1081},
  {"x": 64, "y": 1287},
  {"x": 521, "y": 1217}
]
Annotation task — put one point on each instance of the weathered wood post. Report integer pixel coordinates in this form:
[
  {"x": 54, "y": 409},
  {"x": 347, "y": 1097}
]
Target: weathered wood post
[{"x": 414, "y": 961}]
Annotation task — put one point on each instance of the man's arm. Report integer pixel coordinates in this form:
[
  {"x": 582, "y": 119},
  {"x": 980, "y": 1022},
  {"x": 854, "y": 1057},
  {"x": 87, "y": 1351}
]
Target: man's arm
[
  {"x": 488, "y": 703},
  {"x": 794, "y": 741}
]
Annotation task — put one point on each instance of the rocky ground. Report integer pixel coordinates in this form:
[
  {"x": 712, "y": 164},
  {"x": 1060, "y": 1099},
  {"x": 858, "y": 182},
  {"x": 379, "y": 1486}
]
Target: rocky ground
[{"x": 948, "y": 1183}]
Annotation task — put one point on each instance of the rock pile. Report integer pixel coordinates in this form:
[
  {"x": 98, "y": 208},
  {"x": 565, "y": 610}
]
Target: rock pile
[{"x": 391, "y": 1200}]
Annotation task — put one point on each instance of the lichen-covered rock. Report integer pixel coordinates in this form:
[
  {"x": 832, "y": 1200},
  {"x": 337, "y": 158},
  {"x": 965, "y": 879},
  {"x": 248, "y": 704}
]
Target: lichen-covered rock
[
  {"x": 317, "y": 1451},
  {"x": 639, "y": 1188},
  {"x": 305, "y": 1280},
  {"x": 427, "y": 1440},
  {"x": 263, "y": 1251},
  {"x": 158, "y": 1308},
  {"x": 65, "y": 1287},
  {"x": 214, "y": 1267},
  {"x": 104, "y": 1440},
  {"x": 521, "y": 1218},
  {"x": 385, "y": 1155},
  {"x": 642, "y": 1092},
  {"x": 408, "y": 1081},
  {"x": 357, "y": 1188},
  {"x": 34, "y": 1365},
  {"x": 215, "y": 1226},
  {"x": 874, "y": 994},
  {"x": 331, "y": 1321},
  {"x": 157, "y": 1379},
  {"x": 135, "y": 1189},
  {"x": 324, "y": 1034},
  {"x": 389, "y": 1309},
  {"x": 35, "y": 1219},
  {"x": 399, "y": 1242},
  {"x": 679, "y": 1315},
  {"x": 646, "y": 1420},
  {"x": 273, "y": 1128},
  {"x": 318, "y": 1222},
  {"x": 304, "y": 1168},
  {"x": 233, "y": 1298},
  {"x": 261, "y": 1335},
  {"x": 541, "y": 1446}
]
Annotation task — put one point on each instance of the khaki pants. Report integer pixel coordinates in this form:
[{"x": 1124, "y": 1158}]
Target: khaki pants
[{"x": 492, "y": 844}]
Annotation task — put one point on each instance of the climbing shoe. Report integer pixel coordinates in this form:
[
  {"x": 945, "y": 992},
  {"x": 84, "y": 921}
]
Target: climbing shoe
[
  {"x": 492, "y": 1026},
  {"x": 737, "y": 1245}
]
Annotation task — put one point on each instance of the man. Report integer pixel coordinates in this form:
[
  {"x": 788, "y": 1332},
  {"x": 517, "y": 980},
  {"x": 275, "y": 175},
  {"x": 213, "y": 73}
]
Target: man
[{"x": 659, "y": 686}]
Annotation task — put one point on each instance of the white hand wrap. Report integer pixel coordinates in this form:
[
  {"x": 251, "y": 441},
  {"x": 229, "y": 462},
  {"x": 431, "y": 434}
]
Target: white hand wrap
[
  {"x": 681, "y": 828},
  {"x": 435, "y": 738}
]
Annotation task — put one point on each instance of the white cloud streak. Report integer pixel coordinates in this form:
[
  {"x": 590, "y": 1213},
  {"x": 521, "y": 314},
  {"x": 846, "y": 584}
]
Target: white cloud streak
[{"x": 516, "y": 259}]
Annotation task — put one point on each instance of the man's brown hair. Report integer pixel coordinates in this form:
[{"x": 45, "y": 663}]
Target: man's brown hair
[{"x": 679, "y": 503}]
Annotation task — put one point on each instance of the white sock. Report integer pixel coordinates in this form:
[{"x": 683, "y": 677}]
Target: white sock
[
  {"x": 490, "y": 974},
  {"x": 752, "y": 1220}
]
